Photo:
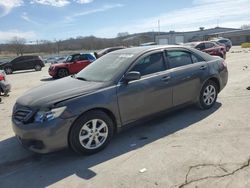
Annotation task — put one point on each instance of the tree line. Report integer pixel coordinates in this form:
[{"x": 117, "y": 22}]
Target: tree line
[{"x": 19, "y": 46}]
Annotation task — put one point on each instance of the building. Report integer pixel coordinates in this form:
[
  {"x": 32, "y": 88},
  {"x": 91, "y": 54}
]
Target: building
[
  {"x": 173, "y": 37},
  {"x": 237, "y": 37}
]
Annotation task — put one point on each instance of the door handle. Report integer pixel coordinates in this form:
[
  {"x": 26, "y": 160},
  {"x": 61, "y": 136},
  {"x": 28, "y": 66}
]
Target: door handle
[
  {"x": 166, "y": 78},
  {"x": 203, "y": 67}
]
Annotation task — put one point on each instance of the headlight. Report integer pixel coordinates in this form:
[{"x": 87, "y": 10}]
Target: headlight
[{"x": 48, "y": 115}]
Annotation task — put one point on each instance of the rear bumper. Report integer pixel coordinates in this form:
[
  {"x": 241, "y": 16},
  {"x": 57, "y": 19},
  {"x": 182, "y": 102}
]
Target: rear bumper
[
  {"x": 223, "y": 78},
  {"x": 5, "y": 87}
]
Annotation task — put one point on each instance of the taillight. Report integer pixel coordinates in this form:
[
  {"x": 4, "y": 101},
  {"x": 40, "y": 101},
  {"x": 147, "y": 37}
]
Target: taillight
[{"x": 2, "y": 77}]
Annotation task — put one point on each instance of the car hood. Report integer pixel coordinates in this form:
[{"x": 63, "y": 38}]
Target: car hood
[
  {"x": 59, "y": 90},
  {"x": 2, "y": 64},
  {"x": 63, "y": 64}
]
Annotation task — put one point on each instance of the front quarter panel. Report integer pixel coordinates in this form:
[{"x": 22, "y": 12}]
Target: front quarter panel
[{"x": 102, "y": 99}]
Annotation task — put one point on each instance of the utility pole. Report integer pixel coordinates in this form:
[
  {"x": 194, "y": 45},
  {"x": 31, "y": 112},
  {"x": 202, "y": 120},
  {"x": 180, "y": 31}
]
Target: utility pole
[{"x": 159, "y": 27}]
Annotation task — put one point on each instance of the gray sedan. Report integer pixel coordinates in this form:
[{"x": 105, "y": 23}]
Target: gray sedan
[{"x": 85, "y": 110}]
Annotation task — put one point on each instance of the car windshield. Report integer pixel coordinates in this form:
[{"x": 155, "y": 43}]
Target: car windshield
[
  {"x": 106, "y": 68},
  {"x": 68, "y": 59}
]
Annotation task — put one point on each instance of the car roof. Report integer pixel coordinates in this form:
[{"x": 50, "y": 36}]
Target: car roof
[{"x": 144, "y": 49}]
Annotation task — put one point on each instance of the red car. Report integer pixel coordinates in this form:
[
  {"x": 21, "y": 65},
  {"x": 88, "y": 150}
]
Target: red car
[
  {"x": 209, "y": 47},
  {"x": 73, "y": 64}
]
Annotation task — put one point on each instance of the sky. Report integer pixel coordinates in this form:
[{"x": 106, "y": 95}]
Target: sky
[{"x": 61, "y": 19}]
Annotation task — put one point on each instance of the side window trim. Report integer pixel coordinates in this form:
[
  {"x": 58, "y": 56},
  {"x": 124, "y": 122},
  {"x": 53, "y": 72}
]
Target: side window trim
[
  {"x": 181, "y": 50},
  {"x": 146, "y": 55}
]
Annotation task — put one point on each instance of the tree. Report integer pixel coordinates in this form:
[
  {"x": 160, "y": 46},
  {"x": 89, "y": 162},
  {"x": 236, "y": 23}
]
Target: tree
[
  {"x": 17, "y": 45},
  {"x": 246, "y": 26},
  {"x": 123, "y": 34}
]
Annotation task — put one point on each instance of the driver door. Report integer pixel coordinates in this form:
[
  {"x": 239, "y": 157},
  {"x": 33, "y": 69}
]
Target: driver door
[{"x": 148, "y": 95}]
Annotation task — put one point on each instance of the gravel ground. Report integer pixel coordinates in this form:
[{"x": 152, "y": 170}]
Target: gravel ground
[{"x": 186, "y": 148}]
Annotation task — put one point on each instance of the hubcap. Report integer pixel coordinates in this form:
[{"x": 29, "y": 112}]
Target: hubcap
[
  {"x": 8, "y": 70},
  {"x": 209, "y": 95},
  {"x": 62, "y": 73},
  {"x": 93, "y": 134},
  {"x": 37, "y": 67}
]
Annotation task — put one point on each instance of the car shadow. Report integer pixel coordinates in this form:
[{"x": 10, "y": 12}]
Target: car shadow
[
  {"x": 47, "y": 79},
  {"x": 23, "y": 72},
  {"x": 44, "y": 170}
]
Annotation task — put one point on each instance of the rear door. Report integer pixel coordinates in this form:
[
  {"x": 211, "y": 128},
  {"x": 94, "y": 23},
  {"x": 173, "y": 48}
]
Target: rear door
[
  {"x": 187, "y": 73},
  {"x": 210, "y": 48},
  {"x": 29, "y": 62},
  {"x": 149, "y": 95}
]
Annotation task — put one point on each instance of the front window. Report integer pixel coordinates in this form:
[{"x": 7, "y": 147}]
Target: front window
[
  {"x": 150, "y": 64},
  {"x": 69, "y": 58},
  {"x": 106, "y": 68}
]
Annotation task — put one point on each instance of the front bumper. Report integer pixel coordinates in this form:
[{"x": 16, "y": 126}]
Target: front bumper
[
  {"x": 52, "y": 72},
  {"x": 43, "y": 137},
  {"x": 5, "y": 87}
]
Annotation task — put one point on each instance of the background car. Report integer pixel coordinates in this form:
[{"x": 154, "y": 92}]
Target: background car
[
  {"x": 73, "y": 64},
  {"x": 209, "y": 47},
  {"x": 59, "y": 60},
  {"x": 4, "y": 84},
  {"x": 23, "y": 63},
  {"x": 85, "y": 110},
  {"x": 226, "y": 42},
  {"x": 107, "y": 50}
]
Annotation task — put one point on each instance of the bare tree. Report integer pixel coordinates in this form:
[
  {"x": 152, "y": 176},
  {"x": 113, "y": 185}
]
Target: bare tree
[
  {"x": 17, "y": 45},
  {"x": 246, "y": 26}
]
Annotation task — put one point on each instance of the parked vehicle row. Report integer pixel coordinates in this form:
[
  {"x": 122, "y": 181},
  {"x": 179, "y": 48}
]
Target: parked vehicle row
[
  {"x": 226, "y": 42},
  {"x": 23, "y": 63},
  {"x": 85, "y": 110},
  {"x": 209, "y": 47}
]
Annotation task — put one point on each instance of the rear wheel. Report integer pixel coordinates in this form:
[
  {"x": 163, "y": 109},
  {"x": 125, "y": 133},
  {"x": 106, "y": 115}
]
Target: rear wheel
[
  {"x": 91, "y": 132},
  {"x": 62, "y": 73},
  {"x": 208, "y": 95},
  {"x": 8, "y": 70},
  {"x": 38, "y": 67}
]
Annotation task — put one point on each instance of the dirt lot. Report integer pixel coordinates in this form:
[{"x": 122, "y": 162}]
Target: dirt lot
[{"x": 186, "y": 148}]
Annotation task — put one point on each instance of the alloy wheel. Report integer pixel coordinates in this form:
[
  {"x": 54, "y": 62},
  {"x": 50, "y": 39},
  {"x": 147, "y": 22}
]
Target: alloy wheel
[
  {"x": 93, "y": 134},
  {"x": 209, "y": 95},
  {"x": 8, "y": 70}
]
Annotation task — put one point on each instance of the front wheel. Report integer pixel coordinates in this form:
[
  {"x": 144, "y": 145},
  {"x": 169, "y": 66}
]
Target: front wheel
[
  {"x": 62, "y": 73},
  {"x": 91, "y": 132},
  {"x": 8, "y": 70},
  {"x": 208, "y": 95}
]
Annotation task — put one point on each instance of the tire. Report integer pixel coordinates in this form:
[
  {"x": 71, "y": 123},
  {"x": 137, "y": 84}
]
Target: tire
[
  {"x": 8, "y": 70},
  {"x": 38, "y": 67},
  {"x": 208, "y": 95},
  {"x": 84, "y": 138},
  {"x": 62, "y": 73},
  {"x": 227, "y": 48}
]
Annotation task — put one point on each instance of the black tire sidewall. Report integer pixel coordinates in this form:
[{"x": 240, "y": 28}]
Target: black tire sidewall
[
  {"x": 76, "y": 127},
  {"x": 58, "y": 73},
  {"x": 202, "y": 105}
]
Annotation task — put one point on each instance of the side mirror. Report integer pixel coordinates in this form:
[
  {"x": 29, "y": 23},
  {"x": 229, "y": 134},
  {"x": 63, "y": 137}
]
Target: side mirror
[{"x": 133, "y": 75}]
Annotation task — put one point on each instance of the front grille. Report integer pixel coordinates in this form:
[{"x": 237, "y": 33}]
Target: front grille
[{"x": 22, "y": 115}]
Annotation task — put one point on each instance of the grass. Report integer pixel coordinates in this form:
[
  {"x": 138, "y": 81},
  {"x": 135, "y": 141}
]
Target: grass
[{"x": 245, "y": 45}]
